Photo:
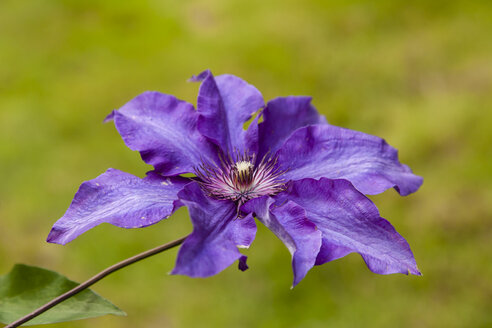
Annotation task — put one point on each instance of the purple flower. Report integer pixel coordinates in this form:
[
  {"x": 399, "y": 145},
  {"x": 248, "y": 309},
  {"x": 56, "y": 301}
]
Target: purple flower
[{"x": 304, "y": 179}]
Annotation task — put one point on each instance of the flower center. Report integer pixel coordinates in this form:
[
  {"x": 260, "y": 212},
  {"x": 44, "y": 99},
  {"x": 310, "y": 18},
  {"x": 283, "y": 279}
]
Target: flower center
[
  {"x": 241, "y": 179},
  {"x": 243, "y": 173}
]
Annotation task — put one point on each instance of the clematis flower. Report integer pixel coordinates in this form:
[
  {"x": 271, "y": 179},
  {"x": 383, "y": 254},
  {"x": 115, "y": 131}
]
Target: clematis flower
[{"x": 304, "y": 179}]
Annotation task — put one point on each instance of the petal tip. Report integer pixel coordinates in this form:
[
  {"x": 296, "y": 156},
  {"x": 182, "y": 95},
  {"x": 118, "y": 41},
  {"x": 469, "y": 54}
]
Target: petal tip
[
  {"x": 418, "y": 181},
  {"x": 56, "y": 236},
  {"x": 242, "y": 265},
  {"x": 200, "y": 77},
  {"x": 295, "y": 282},
  {"x": 110, "y": 117}
]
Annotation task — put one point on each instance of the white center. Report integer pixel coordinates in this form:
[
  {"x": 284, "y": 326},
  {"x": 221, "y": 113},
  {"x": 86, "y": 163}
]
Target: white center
[{"x": 243, "y": 166}]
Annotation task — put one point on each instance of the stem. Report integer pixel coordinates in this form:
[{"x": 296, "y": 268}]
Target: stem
[{"x": 95, "y": 279}]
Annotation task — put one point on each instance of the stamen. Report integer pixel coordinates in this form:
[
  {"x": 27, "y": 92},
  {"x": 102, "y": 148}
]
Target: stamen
[{"x": 241, "y": 179}]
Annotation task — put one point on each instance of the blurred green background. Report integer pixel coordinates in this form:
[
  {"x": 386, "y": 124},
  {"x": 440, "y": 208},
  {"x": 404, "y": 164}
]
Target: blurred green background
[{"x": 417, "y": 73}]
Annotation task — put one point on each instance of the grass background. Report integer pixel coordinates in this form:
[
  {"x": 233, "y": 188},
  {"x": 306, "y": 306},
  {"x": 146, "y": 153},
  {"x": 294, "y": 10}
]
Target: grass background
[{"x": 417, "y": 73}]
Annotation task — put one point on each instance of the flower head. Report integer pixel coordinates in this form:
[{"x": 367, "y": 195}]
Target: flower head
[{"x": 304, "y": 179}]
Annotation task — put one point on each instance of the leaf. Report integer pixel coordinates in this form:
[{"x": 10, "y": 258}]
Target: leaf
[{"x": 26, "y": 288}]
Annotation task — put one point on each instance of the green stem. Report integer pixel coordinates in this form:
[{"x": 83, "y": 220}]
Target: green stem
[{"x": 95, "y": 279}]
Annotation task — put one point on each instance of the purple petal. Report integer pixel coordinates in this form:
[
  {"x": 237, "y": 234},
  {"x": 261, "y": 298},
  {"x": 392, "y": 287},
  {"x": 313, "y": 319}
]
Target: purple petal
[
  {"x": 118, "y": 198},
  {"x": 350, "y": 222},
  {"x": 289, "y": 223},
  {"x": 163, "y": 129},
  {"x": 327, "y": 151},
  {"x": 281, "y": 117},
  {"x": 225, "y": 103},
  {"x": 217, "y": 232}
]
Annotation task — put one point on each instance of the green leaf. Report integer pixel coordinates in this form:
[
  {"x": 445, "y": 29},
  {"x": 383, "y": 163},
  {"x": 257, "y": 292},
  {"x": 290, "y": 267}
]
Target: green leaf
[{"x": 26, "y": 288}]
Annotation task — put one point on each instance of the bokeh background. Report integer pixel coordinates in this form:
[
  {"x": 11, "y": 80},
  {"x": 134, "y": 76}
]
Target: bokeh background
[{"x": 417, "y": 73}]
